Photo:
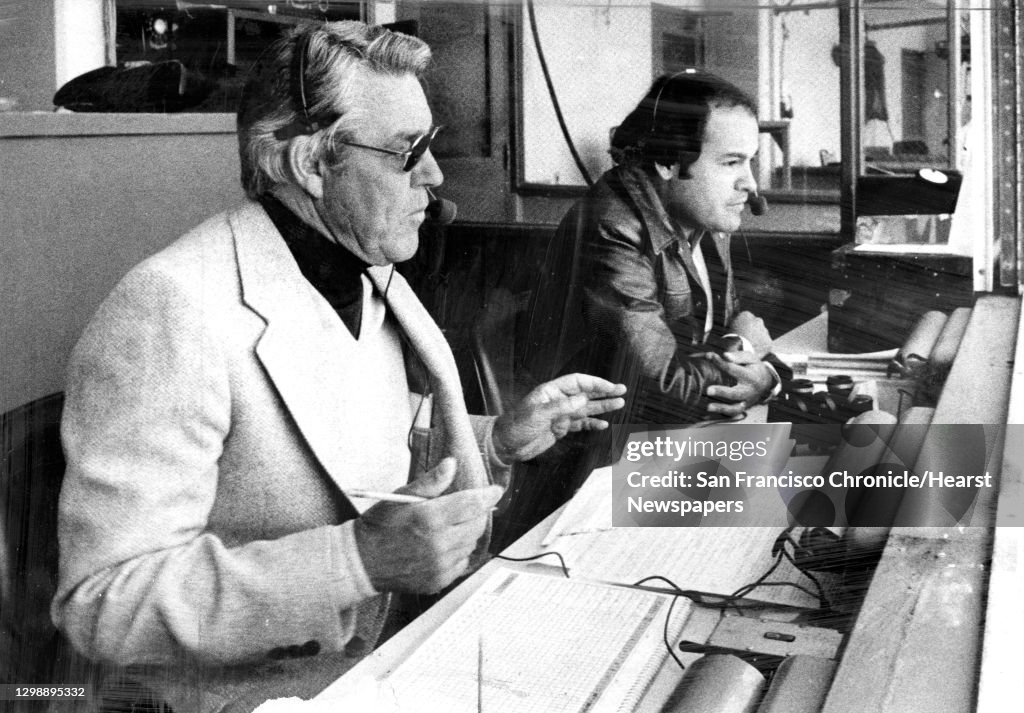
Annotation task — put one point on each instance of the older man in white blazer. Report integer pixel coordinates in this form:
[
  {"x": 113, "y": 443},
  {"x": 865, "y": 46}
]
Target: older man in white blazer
[{"x": 237, "y": 388}]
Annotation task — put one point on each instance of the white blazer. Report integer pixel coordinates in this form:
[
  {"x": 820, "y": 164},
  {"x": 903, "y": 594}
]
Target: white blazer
[{"x": 205, "y": 435}]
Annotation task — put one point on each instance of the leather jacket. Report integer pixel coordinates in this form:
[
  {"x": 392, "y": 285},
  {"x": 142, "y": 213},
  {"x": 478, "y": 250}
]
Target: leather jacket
[{"x": 620, "y": 298}]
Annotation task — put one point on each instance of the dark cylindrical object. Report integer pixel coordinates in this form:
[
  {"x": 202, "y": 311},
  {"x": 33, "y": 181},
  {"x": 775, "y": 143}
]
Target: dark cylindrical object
[
  {"x": 840, "y": 385},
  {"x": 800, "y": 386}
]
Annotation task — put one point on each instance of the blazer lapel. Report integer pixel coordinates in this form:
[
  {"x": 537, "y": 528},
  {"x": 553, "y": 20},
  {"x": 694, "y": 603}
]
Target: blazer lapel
[
  {"x": 304, "y": 341},
  {"x": 432, "y": 348},
  {"x": 426, "y": 338}
]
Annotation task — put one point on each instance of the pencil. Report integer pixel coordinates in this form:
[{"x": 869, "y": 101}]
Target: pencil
[
  {"x": 480, "y": 674},
  {"x": 386, "y": 497}
]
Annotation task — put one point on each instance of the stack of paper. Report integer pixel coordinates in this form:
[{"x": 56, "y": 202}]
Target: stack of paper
[{"x": 527, "y": 643}]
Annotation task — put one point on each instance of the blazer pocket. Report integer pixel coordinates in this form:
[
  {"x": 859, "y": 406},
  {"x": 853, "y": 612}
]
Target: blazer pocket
[{"x": 420, "y": 442}]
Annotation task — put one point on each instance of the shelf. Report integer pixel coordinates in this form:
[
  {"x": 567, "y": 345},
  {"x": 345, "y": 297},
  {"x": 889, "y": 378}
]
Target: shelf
[{"x": 41, "y": 124}]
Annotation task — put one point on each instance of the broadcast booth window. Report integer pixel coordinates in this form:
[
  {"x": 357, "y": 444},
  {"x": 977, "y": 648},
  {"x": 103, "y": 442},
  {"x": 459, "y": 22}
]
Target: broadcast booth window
[{"x": 186, "y": 56}]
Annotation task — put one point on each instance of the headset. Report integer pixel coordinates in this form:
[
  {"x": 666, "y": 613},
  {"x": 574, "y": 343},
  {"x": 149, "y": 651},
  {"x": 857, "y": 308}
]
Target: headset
[
  {"x": 303, "y": 125},
  {"x": 757, "y": 204}
]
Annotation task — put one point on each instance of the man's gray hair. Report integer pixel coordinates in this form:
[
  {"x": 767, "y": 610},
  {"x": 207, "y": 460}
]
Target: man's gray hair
[{"x": 316, "y": 65}]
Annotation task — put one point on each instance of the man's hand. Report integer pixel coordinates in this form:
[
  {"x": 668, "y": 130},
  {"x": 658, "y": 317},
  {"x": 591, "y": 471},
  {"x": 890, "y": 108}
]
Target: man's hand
[
  {"x": 423, "y": 547},
  {"x": 751, "y": 327},
  {"x": 552, "y": 410},
  {"x": 754, "y": 379}
]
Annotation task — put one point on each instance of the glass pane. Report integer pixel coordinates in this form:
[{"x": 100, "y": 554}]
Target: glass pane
[
  {"x": 189, "y": 56},
  {"x": 457, "y": 81},
  {"x": 905, "y": 90},
  {"x": 805, "y": 100},
  {"x": 602, "y": 60}
]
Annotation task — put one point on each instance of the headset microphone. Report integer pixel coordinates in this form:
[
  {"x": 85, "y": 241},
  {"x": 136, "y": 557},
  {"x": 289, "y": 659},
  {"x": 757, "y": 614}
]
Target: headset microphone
[
  {"x": 757, "y": 204},
  {"x": 440, "y": 211}
]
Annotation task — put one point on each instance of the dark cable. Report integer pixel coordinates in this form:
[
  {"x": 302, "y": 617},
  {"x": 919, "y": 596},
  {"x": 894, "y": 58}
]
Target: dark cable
[
  {"x": 780, "y": 552},
  {"x": 759, "y": 582},
  {"x": 732, "y": 601},
  {"x": 822, "y": 599},
  {"x": 712, "y": 601},
  {"x": 668, "y": 616},
  {"x": 565, "y": 570},
  {"x": 428, "y": 385},
  {"x": 554, "y": 97},
  {"x": 743, "y": 591}
]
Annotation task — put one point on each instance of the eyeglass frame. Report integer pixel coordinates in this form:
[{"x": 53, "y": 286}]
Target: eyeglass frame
[{"x": 412, "y": 156}]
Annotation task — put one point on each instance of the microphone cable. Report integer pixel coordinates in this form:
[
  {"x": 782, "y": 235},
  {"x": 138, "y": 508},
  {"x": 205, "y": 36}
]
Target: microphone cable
[{"x": 554, "y": 97}]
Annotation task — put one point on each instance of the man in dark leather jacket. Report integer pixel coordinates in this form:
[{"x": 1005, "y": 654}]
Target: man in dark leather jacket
[{"x": 638, "y": 284}]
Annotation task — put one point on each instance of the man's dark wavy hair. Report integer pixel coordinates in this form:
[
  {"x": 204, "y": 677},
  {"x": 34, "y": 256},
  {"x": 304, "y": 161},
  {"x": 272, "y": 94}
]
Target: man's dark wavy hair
[{"x": 667, "y": 126}]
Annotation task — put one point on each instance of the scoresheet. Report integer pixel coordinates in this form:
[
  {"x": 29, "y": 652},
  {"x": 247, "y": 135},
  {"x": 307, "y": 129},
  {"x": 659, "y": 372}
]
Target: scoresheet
[{"x": 529, "y": 643}]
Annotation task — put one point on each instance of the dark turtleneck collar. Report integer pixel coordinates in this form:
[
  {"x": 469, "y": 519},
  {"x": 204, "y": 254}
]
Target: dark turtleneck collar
[{"x": 331, "y": 268}]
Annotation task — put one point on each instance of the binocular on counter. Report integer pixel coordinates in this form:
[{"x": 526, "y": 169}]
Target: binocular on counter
[{"x": 801, "y": 405}]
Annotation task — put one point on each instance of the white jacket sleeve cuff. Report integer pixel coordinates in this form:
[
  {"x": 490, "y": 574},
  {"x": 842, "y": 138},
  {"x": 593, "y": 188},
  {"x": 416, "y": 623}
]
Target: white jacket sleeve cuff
[
  {"x": 500, "y": 471},
  {"x": 352, "y": 580}
]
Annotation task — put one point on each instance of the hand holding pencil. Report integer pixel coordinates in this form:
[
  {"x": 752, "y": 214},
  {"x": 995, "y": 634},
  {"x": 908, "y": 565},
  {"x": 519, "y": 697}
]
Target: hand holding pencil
[{"x": 423, "y": 545}]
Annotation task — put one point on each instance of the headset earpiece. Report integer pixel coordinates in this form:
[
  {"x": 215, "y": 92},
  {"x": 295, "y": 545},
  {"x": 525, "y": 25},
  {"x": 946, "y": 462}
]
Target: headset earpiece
[
  {"x": 657, "y": 99},
  {"x": 677, "y": 149},
  {"x": 304, "y": 124}
]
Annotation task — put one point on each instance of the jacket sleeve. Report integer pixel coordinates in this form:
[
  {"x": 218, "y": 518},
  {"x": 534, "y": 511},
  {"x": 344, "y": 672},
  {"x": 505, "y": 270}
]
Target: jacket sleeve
[
  {"x": 499, "y": 471},
  {"x": 142, "y": 580},
  {"x": 666, "y": 373}
]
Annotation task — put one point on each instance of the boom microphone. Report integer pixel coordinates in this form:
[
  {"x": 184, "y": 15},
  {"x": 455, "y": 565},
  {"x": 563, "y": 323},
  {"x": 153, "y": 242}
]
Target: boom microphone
[
  {"x": 757, "y": 204},
  {"x": 440, "y": 211}
]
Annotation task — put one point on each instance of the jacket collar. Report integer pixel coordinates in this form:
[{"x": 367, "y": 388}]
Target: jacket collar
[
  {"x": 663, "y": 231},
  {"x": 303, "y": 342},
  {"x": 644, "y": 196}
]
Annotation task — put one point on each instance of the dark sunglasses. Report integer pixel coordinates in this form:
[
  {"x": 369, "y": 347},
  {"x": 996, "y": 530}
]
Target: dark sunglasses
[{"x": 411, "y": 157}]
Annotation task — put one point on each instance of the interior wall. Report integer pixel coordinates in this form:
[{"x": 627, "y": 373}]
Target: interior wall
[
  {"x": 891, "y": 44},
  {"x": 600, "y": 60},
  {"x": 575, "y": 39},
  {"x": 733, "y": 46},
  {"x": 27, "y": 51},
  {"x": 809, "y": 80},
  {"x": 937, "y": 95},
  {"x": 81, "y": 44},
  {"x": 76, "y": 212}
]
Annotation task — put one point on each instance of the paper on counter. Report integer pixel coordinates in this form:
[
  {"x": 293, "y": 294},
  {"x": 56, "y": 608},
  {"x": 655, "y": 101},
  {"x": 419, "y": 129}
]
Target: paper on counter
[
  {"x": 529, "y": 643},
  {"x": 713, "y": 559},
  {"x": 360, "y": 693},
  {"x": 590, "y": 509}
]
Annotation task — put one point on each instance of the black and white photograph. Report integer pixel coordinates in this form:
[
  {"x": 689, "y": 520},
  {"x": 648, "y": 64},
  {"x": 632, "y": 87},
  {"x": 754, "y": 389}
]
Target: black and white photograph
[{"x": 511, "y": 356}]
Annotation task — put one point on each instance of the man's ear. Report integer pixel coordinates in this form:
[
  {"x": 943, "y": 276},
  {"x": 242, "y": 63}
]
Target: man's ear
[
  {"x": 666, "y": 172},
  {"x": 304, "y": 169}
]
